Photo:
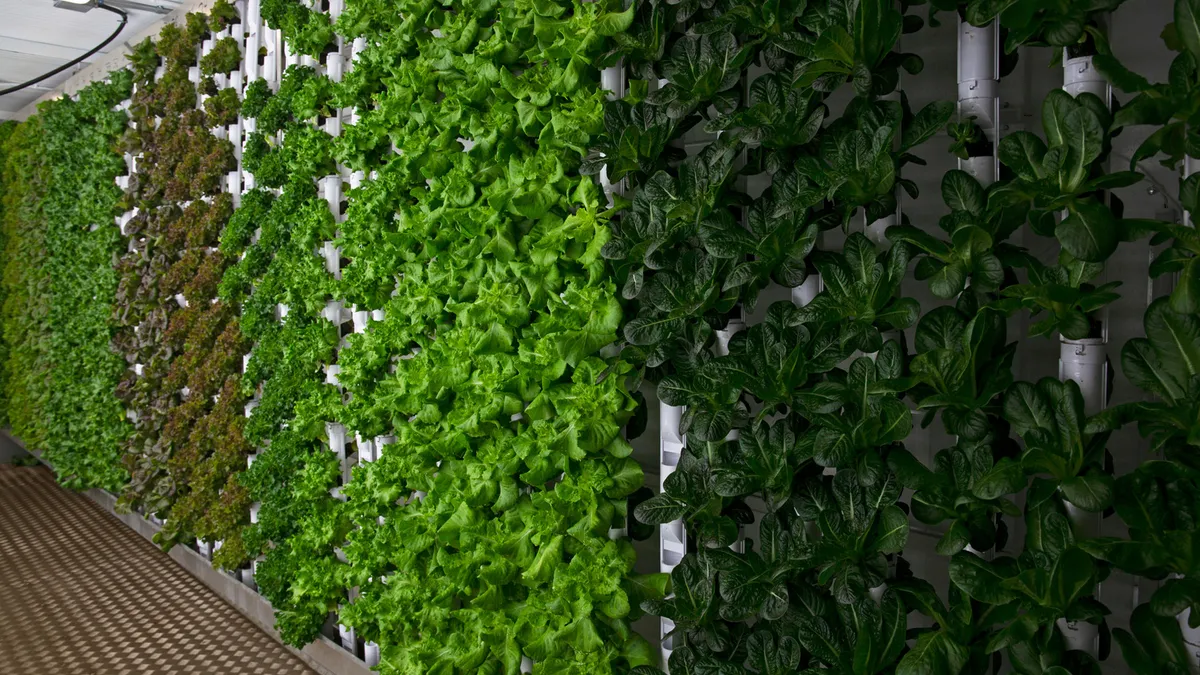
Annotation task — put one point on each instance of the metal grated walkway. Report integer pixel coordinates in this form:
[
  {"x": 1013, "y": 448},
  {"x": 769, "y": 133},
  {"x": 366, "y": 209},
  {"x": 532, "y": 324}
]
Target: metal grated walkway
[{"x": 81, "y": 593}]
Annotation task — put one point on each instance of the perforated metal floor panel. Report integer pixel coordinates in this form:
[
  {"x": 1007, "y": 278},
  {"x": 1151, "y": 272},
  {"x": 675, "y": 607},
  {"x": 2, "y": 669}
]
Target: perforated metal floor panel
[{"x": 80, "y": 593}]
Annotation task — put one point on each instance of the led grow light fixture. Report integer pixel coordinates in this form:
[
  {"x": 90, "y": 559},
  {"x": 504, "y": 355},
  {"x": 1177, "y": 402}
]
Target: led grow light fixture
[{"x": 76, "y": 5}]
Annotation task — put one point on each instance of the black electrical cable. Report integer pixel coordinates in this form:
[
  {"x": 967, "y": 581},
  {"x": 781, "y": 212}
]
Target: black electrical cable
[{"x": 102, "y": 45}]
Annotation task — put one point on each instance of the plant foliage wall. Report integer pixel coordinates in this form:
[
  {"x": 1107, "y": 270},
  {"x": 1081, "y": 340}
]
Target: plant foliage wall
[
  {"x": 60, "y": 239},
  {"x": 182, "y": 345},
  {"x": 478, "y": 242},
  {"x": 508, "y": 457}
]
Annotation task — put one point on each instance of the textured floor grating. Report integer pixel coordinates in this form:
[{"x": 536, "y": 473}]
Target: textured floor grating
[{"x": 80, "y": 593}]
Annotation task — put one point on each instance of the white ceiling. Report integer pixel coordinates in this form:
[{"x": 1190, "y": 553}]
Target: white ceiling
[{"x": 36, "y": 37}]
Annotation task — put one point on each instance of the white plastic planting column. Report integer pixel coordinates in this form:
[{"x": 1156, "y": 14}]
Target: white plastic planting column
[
  {"x": 672, "y": 540},
  {"x": 876, "y": 231},
  {"x": 252, "y": 20},
  {"x": 347, "y": 637},
  {"x": 1189, "y": 168},
  {"x": 979, "y": 91},
  {"x": 337, "y": 438},
  {"x": 612, "y": 80},
  {"x": 1085, "y": 361},
  {"x": 366, "y": 449},
  {"x": 1191, "y": 636},
  {"x": 1080, "y": 75},
  {"x": 812, "y": 286},
  {"x": 722, "y": 349},
  {"x": 380, "y": 443},
  {"x": 805, "y": 292},
  {"x": 371, "y": 654}
]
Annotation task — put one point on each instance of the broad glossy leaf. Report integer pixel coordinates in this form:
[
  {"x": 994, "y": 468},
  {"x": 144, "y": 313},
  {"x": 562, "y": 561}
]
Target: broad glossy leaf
[
  {"x": 1175, "y": 337},
  {"x": 956, "y": 538},
  {"x": 1089, "y": 232},
  {"x": 612, "y": 23},
  {"x": 1175, "y": 596},
  {"x": 962, "y": 192},
  {"x": 765, "y": 657},
  {"x": 1085, "y": 137},
  {"x": 661, "y": 508},
  {"x": 1005, "y": 478},
  {"x": 819, "y": 640},
  {"x": 1072, "y": 578},
  {"x": 1093, "y": 492},
  {"x": 1121, "y": 77},
  {"x": 1187, "y": 25},
  {"x": 892, "y": 533},
  {"x": 1160, "y": 636},
  {"x": 1023, "y": 152},
  {"x": 927, "y": 122},
  {"x": 981, "y": 579},
  {"x": 1057, "y": 105},
  {"x": 936, "y": 653},
  {"x": 1142, "y": 365}
]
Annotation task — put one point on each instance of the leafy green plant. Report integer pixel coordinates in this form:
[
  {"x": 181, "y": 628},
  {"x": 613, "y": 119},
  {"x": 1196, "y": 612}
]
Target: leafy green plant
[
  {"x": 307, "y": 31},
  {"x": 508, "y": 461},
  {"x": 187, "y": 447},
  {"x": 1155, "y": 644},
  {"x": 967, "y": 140},
  {"x": 858, "y": 47},
  {"x": 975, "y": 252},
  {"x": 1062, "y": 173},
  {"x": 1170, "y": 106},
  {"x": 1045, "y": 585},
  {"x": 225, "y": 57},
  {"x": 1060, "y": 442},
  {"x": 1029, "y": 22},
  {"x": 1065, "y": 293},
  {"x": 23, "y": 181},
  {"x": 222, "y": 15},
  {"x": 223, "y": 108},
  {"x": 84, "y": 421}
]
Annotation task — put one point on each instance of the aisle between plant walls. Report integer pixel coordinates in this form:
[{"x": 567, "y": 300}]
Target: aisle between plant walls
[{"x": 514, "y": 314}]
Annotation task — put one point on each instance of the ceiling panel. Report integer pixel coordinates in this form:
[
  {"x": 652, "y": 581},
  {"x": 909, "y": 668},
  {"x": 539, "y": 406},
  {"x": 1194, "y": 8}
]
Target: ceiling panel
[
  {"x": 41, "y": 21},
  {"x": 11, "y": 103},
  {"x": 21, "y": 67},
  {"x": 36, "y": 37}
]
